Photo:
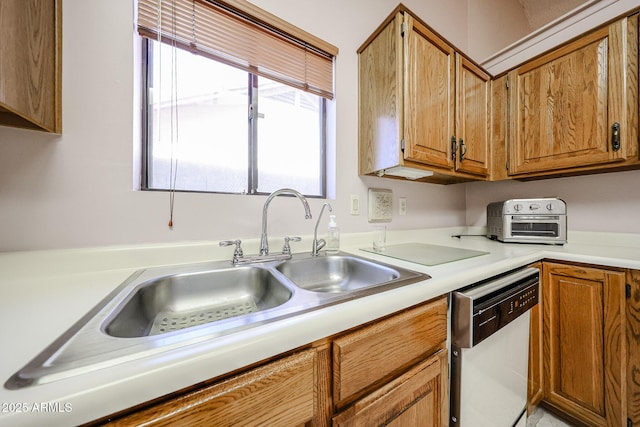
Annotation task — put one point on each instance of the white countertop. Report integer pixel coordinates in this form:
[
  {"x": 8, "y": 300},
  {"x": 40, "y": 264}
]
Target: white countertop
[{"x": 45, "y": 292}]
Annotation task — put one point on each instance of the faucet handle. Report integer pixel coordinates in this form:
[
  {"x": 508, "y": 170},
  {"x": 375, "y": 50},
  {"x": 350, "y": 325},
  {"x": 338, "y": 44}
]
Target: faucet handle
[
  {"x": 286, "y": 249},
  {"x": 237, "y": 253}
]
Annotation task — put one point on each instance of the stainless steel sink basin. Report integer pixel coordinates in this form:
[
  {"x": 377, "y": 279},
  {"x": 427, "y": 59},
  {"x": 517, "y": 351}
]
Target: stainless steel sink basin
[
  {"x": 337, "y": 273},
  {"x": 179, "y": 301},
  {"x": 167, "y": 308}
]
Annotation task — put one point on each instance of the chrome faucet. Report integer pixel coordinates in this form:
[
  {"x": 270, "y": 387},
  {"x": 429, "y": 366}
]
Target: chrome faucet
[
  {"x": 319, "y": 244},
  {"x": 264, "y": 243}
]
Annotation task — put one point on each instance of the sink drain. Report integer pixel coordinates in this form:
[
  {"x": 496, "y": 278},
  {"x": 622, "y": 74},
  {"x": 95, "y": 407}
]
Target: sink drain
[{"x": 169, "y": 321}]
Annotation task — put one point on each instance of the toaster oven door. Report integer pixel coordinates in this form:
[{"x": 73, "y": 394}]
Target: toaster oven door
[{"x": 542, "y": 228}]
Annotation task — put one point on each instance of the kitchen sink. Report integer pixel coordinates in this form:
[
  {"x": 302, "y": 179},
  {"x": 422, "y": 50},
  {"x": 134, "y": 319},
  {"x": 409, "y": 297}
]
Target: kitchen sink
[
  {"x": 180, "y": 301},
  {"x": 167, "y": 308},
  {"x": 337, "y": 273}
]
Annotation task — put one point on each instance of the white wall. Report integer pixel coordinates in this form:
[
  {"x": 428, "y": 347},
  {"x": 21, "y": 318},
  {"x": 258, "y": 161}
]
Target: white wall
[
  {"x": 494, "y": 25},
  {"x": 75, "y": 190},
  {"x": 604, "y": 202}
]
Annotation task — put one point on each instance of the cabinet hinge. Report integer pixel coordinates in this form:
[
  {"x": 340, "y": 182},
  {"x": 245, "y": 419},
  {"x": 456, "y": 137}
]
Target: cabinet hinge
[
  {"x": 507, "y": 165},
  {"x": 403, "y": 29},
  {"x": 402, "y": 145},
  {"x": 627, "y": 291},
  {"x": 506, "y": 83}
]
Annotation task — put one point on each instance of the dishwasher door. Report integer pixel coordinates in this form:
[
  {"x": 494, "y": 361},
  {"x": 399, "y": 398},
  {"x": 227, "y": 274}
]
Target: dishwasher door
[{"x": 490, "y": 350}]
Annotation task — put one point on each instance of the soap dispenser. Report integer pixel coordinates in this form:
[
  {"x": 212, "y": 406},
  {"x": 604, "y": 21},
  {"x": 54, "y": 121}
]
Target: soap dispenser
[{"x": 333, "y": 236}]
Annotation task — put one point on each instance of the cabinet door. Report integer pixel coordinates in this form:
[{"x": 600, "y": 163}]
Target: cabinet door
[
  {"x": 30, "y": 64},
  {"x": 414, "y": 399},
  {"x": 473, "y": 92},
  {"x": 564, "y": 105},
  {"x": 280, "y": 393},
  {"x": 584, "y": 345},
  {"x": 633, "y": 347},
  {"x": 428, "y": 96}
]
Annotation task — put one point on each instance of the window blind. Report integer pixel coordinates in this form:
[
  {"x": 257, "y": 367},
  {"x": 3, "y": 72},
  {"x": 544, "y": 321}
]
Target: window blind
[{"x": 240, "y": 34}]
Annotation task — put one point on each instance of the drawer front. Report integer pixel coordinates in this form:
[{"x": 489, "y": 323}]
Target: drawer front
[
  {"x": 371, "y": 356},
  {"x": 280, "y": 393},
  {"x": 416, "y": 398}
]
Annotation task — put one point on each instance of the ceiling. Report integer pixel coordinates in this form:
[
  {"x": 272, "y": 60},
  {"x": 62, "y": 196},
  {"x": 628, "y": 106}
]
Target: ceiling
[{"x": 541, "y": 12}]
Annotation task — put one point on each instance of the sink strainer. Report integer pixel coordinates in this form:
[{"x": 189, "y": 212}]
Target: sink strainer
[{"x": 168, "y": 321}]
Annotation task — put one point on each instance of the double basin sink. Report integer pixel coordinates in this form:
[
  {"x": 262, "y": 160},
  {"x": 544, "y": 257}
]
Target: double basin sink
[{"x": 168, "y": 308}]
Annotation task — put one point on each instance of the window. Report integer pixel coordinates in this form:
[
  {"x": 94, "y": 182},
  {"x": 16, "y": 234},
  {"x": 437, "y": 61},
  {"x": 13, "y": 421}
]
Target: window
[{"x": 223, "y": 120}]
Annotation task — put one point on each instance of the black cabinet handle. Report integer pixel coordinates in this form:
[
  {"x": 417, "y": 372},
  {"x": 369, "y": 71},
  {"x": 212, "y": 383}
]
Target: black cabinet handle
[
  {"x": 463, "y": 149},
  {"x": 454, "y": 148},
  {"x": 615, "y": 136}
]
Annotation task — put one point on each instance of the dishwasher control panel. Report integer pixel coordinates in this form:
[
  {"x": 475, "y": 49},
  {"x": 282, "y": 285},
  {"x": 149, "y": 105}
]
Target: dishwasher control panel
[
  {"x": 494, "y": 315},
  {"x": 526, "y": 299},
  {"x": 485, "y": 308}
]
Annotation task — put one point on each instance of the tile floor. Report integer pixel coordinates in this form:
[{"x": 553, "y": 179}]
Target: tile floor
[{"x": 542, "y": 418}]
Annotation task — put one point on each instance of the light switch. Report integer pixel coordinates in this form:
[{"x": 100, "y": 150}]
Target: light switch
[{"x": 355, "y": 205}]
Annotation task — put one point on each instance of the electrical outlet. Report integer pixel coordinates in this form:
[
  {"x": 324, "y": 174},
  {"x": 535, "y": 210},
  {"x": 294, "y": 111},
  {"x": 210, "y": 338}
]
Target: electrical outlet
[
  {"x": 355, "y": 205},
  {"x": 402, "y": 206}
]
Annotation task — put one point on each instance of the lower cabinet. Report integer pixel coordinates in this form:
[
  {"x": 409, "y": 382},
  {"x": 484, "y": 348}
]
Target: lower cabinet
[
  {"x": 633, "y": 347},
  {"x": 393, "y": 371},
  {"x": 584, "y": 345},
  {"x": 415, "y": 398},
  {"x": 280, "y": 393}
]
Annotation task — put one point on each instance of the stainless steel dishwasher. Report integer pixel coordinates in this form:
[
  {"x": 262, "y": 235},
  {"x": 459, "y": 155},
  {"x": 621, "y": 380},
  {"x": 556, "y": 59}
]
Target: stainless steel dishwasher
[{"x": 490, "y": 350}]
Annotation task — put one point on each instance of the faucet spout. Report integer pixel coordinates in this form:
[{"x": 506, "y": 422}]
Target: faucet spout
[
  {"x": 319, "y": 244},
  {"x": 264, "y": 243}
]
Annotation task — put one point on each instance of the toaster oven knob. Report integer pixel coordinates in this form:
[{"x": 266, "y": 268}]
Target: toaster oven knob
[
  {"x": 550, "y": 207},
  {"x": 517, "y": 207},
  {"x": 534, "y": 207}
]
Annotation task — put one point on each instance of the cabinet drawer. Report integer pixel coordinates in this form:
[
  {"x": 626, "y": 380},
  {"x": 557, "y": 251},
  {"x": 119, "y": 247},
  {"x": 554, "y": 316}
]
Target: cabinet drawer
[
  {"x": 416, "y": 398},
  {"x": 371, "y": 356},
  {"x": 280, "y": 393}
]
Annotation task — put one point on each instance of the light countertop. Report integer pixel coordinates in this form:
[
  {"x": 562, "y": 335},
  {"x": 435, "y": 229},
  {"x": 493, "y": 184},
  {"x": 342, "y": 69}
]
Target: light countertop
[{"x": 45, "y": 292}]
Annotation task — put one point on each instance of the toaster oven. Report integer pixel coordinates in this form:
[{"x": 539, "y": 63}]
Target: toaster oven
[{"x": 541, "y": 220}]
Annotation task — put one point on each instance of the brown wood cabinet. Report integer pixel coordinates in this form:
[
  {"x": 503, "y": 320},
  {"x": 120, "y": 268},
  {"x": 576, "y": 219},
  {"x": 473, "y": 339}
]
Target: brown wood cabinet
[
  {"x": 368, "y": 357},
  {"x": 633, "y": 347},
  {"x": 30, "y": 64},
  {"x": 575, "y": 109},
  {"x": 499, "y": 129},
  {"x": 394, "y": 369},
  {"x": 473, "y": 111},
  {"x": 280, "y": 393},
  {"x": 422, "y": 105},
  {"x": 429, "y": 74},
  {"x": 415, "y": 398},
  {"x": 584, "y": 343}
]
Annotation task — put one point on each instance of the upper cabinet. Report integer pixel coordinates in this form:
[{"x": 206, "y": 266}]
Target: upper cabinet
[
  {"x": 30, "y": 64},
  {"x": 426, "y": 112},
  {"x": 423, "y": 107},
  {"x": 428, "y": 69},
  {"x": 473, "y": 95},
  {"x": 574, "y": 109}
]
